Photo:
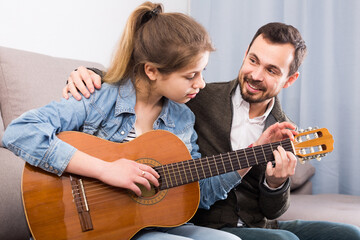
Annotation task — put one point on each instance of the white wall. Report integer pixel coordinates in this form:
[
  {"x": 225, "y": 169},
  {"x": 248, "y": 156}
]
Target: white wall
[{"x": 79, "y": 29}]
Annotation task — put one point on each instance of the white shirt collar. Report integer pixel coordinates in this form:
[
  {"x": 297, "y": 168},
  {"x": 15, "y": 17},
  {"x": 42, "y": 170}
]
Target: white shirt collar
[{"x": 238, "y": 101}]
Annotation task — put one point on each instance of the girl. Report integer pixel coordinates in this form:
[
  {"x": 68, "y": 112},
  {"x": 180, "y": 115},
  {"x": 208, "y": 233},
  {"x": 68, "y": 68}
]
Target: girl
[{"x": 157, "y": 67}]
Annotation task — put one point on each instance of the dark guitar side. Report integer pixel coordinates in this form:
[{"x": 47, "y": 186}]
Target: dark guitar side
[{"x": 49, "y": 204}]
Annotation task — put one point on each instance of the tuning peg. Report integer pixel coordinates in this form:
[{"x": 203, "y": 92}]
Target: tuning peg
[
  {"x": 301, "y": 160},
  {"x": 318, "y": 157},
  {"x": 301, "y": 130},
  {"x": 309, "y": 129}
]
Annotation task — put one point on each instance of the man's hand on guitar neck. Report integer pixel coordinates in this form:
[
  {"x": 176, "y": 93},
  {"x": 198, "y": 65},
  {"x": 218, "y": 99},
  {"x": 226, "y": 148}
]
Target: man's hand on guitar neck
[{"x": 285, "y": 162}]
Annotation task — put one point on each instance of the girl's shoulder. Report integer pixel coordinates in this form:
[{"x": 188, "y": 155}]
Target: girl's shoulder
[{"x": 180, "y": 110}]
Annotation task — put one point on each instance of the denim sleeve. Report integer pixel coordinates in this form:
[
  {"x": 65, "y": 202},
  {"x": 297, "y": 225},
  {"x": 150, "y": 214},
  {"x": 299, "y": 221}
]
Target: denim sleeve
[
  {"x": 32, "y": 136},
  {"x": 216, "y": 188},
  {"x": 194, "y": 147}
]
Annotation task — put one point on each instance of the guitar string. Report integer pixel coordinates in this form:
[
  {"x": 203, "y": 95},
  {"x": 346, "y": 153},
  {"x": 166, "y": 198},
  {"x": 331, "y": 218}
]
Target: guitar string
[
  {"x": 214, "y": 161},
  {"x": 226, "y": 160},
  {"x": 108, "y": 194},
  {"x": 98, "y": 185}
]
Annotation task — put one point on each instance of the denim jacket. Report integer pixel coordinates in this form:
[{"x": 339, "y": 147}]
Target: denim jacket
[{"x": 109, "y": 114}]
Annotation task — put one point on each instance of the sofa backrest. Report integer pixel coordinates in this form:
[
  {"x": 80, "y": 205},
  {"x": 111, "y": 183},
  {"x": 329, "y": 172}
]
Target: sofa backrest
[{"x": 29, "y": 80}]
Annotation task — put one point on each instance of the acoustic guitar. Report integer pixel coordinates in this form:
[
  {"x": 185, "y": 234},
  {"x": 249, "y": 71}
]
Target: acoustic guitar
[{"x": 75, "y": 207}]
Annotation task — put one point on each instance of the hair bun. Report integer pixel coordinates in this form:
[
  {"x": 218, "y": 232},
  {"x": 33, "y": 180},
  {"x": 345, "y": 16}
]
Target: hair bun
[
  {"x": 155, "y": 11},
  {"x": 151, "y": 13}
]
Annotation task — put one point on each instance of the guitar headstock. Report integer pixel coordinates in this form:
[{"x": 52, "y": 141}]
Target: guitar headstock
[{"x": 313, "y": 143}]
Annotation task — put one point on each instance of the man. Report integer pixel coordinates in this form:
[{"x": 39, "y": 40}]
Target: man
[{"x": 232, "y": 115}]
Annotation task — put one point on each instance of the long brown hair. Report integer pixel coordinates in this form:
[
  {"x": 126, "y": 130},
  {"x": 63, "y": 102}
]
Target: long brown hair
[{"x": 169, "y": 41}]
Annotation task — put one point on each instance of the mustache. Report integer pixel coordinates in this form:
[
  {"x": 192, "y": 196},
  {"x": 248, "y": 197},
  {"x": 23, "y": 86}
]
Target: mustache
[{"x": 256, "y": 83}]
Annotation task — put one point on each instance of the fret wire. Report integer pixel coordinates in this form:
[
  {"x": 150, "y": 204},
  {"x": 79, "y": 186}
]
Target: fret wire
[
  {"x": 202, "y": 167},
  {"x": 173, "y": 174},
  {"x": 167, "y": 167},
  {"x": 255, "y": 156},
  {"x": 165, "y": 177},
  {"x": 192, "y": 178},
  {"x": 158, "y": 170},
  {"x": 185, "y": 172},
  {"x": 217, "y": 160},
  {"x": 222, "y": 161},
  {"x": 225, "y": 163},
  {"x": 262, "y": 148},
  {"x": 272, "y": 150},
  {"x": 194, "y": 168},
  {"x": 217, "y": 170},
  {"x": 177, "y": 164},
  {"x": 162, "y": 179},
  {"x": 197, "y": 173},
  {"x": 232, "y": 167},
  {"x": 237, "y": 157},
  {"x": 247, "y": 160},
  {"x": 208, "y": 164}
]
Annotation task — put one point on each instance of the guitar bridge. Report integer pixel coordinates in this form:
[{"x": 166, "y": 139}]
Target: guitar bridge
[{"x": 78, "y": 192}]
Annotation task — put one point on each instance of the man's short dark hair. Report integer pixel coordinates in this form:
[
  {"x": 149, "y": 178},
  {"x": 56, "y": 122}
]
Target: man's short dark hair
[{"x": 277, "y": 32}]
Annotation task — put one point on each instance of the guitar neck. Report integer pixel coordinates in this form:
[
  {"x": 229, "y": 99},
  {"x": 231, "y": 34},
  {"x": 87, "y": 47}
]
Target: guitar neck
[{"x": 180, "y": 173}]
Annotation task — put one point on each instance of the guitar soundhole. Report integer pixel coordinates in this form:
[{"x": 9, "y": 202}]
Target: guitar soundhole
[
  {"x": 145, "y": 193},
  {"x": 149, "y": 197},
  {"x": 152, "y": 196}
]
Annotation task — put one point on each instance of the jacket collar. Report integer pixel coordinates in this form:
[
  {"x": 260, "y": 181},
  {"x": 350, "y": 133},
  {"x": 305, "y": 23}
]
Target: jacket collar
[{"x": 126, "y": 99}]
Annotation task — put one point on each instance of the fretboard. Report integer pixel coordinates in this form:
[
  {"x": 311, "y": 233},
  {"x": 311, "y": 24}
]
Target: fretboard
[{"x": 180, "y": 173}]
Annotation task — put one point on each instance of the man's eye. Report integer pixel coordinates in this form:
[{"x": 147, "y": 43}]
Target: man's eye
[
  {"x": 272, "y": 71},
  {"x": 252, "y": 60}
]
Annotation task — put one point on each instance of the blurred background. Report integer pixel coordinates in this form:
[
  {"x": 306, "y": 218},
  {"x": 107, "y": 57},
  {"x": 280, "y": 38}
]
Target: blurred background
[{"x": 325, "y": 95}]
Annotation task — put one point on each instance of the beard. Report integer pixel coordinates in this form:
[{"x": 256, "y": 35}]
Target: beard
[{"x": 253, "y": 97}]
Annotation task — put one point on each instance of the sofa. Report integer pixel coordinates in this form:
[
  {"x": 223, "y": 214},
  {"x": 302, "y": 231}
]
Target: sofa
[{"x": 29, "y": 80}]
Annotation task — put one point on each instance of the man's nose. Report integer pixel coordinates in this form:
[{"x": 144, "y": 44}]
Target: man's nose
[{"x": 258, "y": 74}]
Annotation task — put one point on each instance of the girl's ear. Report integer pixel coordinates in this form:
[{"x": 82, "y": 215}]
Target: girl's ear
[{"x": 151, "y": 71}]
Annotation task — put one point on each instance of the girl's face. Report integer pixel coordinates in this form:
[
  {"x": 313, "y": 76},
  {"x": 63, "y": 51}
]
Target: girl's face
[{"x": 182, "y": 85}]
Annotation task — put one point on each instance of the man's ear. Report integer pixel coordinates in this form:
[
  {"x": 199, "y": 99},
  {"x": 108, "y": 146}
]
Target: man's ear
[
  {"x": 151, "y": 71},
  {"x": 291, "y": 80}
]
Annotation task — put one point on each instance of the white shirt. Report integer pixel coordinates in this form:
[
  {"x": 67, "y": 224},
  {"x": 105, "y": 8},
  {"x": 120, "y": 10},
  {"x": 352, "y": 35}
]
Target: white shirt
[{"x": 245, "y": 131}]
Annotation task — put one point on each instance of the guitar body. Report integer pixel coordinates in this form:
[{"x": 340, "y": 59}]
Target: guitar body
[{"x": 113, "y": 213}]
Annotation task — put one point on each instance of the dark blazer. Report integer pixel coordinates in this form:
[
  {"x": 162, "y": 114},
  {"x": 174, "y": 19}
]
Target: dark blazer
[{"x": 250, "y": 201}]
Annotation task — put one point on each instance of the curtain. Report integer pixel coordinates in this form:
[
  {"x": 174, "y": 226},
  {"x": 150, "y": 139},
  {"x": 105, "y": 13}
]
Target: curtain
[{"x": 326, "y": 93}]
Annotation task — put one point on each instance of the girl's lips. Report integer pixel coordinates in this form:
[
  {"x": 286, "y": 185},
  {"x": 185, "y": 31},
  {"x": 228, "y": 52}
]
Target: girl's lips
[{"x": 191, "y": 95}]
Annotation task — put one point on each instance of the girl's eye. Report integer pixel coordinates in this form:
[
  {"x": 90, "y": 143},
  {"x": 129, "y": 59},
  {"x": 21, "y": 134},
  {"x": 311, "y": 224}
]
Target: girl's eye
[{"x": 191, "y": 77}]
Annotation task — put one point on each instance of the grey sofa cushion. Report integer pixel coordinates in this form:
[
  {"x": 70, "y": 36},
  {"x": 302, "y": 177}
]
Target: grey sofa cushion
[
  {"x": 30, "y": 80},
  {"x": 1, "y": 128},
  {"x": 324, "y": 207},
  {"x": 303, "y": 173}
]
